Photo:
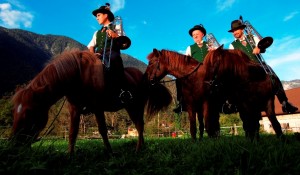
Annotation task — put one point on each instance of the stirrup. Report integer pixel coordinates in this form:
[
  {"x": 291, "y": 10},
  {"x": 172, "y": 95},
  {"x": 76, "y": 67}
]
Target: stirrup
[{"x": 125, "y": 96}]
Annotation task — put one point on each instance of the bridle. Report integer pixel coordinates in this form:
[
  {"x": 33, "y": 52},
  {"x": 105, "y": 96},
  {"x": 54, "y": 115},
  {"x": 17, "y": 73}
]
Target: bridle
[{"x": 153, "y": 80}]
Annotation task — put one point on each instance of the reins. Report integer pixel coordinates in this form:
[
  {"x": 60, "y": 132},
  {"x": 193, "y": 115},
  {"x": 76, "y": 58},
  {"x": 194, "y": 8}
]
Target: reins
[
  {"x": 184, "y": 76},
  {"x": 48, "y": 131}
]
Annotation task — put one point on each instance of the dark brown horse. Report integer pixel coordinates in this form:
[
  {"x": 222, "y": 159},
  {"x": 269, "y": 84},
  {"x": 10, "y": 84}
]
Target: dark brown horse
[
  {"x": 79, "y": 76},
  {"x": 233, "y": 76},
  {"x": 190, "y": 73},
  {"x": 224, "y": 75}
]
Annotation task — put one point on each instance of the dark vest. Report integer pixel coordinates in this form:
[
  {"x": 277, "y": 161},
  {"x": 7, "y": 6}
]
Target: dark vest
[
  {"x": 246, "y": 49},
  {"x": 100, "y": 40},
  {"x": 199, "y": 53}
]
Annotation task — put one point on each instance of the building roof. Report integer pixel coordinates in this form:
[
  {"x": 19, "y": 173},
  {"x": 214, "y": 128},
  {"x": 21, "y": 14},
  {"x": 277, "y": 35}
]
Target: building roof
[{"x": 293, "y": 96}]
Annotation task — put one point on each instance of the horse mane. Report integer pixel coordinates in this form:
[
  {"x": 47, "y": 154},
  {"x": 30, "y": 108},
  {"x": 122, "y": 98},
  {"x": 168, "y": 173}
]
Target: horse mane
[
  {"x": 234, "y": 60},
  {"x": 58, "y": 69},
  {"x": 173, "y": 59}
]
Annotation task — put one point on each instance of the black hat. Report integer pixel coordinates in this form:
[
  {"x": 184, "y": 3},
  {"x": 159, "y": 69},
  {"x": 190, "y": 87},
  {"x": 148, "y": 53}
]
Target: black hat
[
  {"x": 198, "y": 27},
  {"x": 105, "y": 10},
  {"x": 236, "y": 24}
]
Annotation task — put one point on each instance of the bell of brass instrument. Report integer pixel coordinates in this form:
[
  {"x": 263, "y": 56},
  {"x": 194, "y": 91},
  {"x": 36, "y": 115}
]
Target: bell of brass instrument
[
  {"x": 123, "y": 42},
  {"x": 264, "y": 43},
  {"x": 212, "y": 42}
]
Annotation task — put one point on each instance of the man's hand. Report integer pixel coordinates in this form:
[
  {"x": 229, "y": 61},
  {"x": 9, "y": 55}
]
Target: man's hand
[
  {"x": 256, "y": 51},
  {"x": 111, "y": 33}
]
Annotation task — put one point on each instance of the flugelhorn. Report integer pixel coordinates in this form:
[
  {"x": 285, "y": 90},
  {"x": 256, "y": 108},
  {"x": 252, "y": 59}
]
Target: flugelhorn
[{"x": 123, "y": 42}]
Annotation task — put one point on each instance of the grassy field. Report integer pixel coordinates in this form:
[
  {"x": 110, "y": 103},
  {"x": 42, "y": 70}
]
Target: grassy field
[{"x": 226, "y": 155}]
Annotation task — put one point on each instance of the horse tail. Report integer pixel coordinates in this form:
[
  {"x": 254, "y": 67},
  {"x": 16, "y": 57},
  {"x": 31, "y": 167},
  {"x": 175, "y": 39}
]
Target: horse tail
[{"x": 158, "y": 98}]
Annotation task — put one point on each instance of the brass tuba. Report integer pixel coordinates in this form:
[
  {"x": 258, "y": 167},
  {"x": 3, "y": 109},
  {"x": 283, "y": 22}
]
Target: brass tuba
[
  {"x": 123, "y": 42},
  {"x": 263, "y": 43}
]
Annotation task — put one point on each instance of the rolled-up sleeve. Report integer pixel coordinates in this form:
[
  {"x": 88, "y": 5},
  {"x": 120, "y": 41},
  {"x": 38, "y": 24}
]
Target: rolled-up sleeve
[{"x": 93, "y": 41}]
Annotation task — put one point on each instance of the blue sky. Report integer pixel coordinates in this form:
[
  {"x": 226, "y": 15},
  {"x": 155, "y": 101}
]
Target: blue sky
[{"x": 164, "y": 24}]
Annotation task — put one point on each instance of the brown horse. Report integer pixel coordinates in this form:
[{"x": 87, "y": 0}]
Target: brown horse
[
  {"x": 224, "y": 75},
  {"x": 233, "y": 76},
  {"x": 79, "y": 76},
  {"x": 190, "y": 73}
]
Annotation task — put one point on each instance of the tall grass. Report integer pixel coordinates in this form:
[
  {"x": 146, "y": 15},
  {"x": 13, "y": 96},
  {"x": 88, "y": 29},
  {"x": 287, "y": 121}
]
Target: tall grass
[{"x": 227, "y": 155}]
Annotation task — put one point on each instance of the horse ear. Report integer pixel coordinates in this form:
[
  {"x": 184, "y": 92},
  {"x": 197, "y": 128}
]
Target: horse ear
[
  {"x": 220, "y": 47},
  {"x": 155, "y": 52}
]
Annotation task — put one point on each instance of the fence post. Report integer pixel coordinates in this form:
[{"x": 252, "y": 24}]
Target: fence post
[{"x": 235, "y": 129}]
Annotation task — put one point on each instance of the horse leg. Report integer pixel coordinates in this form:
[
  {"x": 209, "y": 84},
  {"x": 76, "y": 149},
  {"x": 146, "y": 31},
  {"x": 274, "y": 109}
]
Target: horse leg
[
  {"x": 137, "y": 117},
  {"x": 100, "y": 118},
  {"x": 272, "y": 117},
  {"x": 201, "y": 125},
  {"x": 251, "y": 124},
  {"x": 211, "y": 118},
  {"x": 74, "y": 127},
  {"x": 276, "y": 125},
  {"x": 193, "y": 128}
]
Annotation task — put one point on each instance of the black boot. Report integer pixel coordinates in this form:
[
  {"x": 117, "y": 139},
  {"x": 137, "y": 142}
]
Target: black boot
[
  {"x": 125, "y": 96},
  {"x": 288, "y": 107}
]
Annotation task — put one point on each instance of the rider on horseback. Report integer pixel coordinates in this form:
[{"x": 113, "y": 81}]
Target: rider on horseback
[
  {"x": 242, "y": 43},
  {"x": 198, "y": 50},
  {"x": 108, "y": 51}
]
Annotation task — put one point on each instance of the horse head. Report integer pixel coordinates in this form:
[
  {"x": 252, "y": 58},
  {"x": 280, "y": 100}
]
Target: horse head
[
  {"x": 29, "y": 115},
  {"x": 155, "y": 70}
]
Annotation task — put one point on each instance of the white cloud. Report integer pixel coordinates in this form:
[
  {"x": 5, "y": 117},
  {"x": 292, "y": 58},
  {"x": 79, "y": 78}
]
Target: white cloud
[
  {"x": 284, "y": 57},
  {"x": 12, "y": 18},
  {"x": 224, "y": 4},
  {"x": 225, "y": 41},
  {"x": 16, "y": 3},
  {"x": 181, "y": 51},
  {"x": 290, "y": 16},
  {"x": 117, "y": 5}
]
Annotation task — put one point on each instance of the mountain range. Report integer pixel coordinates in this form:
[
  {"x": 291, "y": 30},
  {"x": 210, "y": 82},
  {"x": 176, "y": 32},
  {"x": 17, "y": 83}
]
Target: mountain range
[{"x": 23, "y": 55}]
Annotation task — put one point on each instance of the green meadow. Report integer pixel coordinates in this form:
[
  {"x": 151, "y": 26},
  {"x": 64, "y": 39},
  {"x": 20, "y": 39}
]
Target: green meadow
[{"x": 232, "y": 155}]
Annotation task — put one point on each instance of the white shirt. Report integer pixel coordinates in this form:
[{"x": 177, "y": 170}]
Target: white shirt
[
  {"x": 188, "y": 51},
  {"x": 92, "y": 43}
]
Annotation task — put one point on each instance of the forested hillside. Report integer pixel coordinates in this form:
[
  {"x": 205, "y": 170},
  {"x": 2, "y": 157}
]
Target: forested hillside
[{"x": 23, "y": 54}]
